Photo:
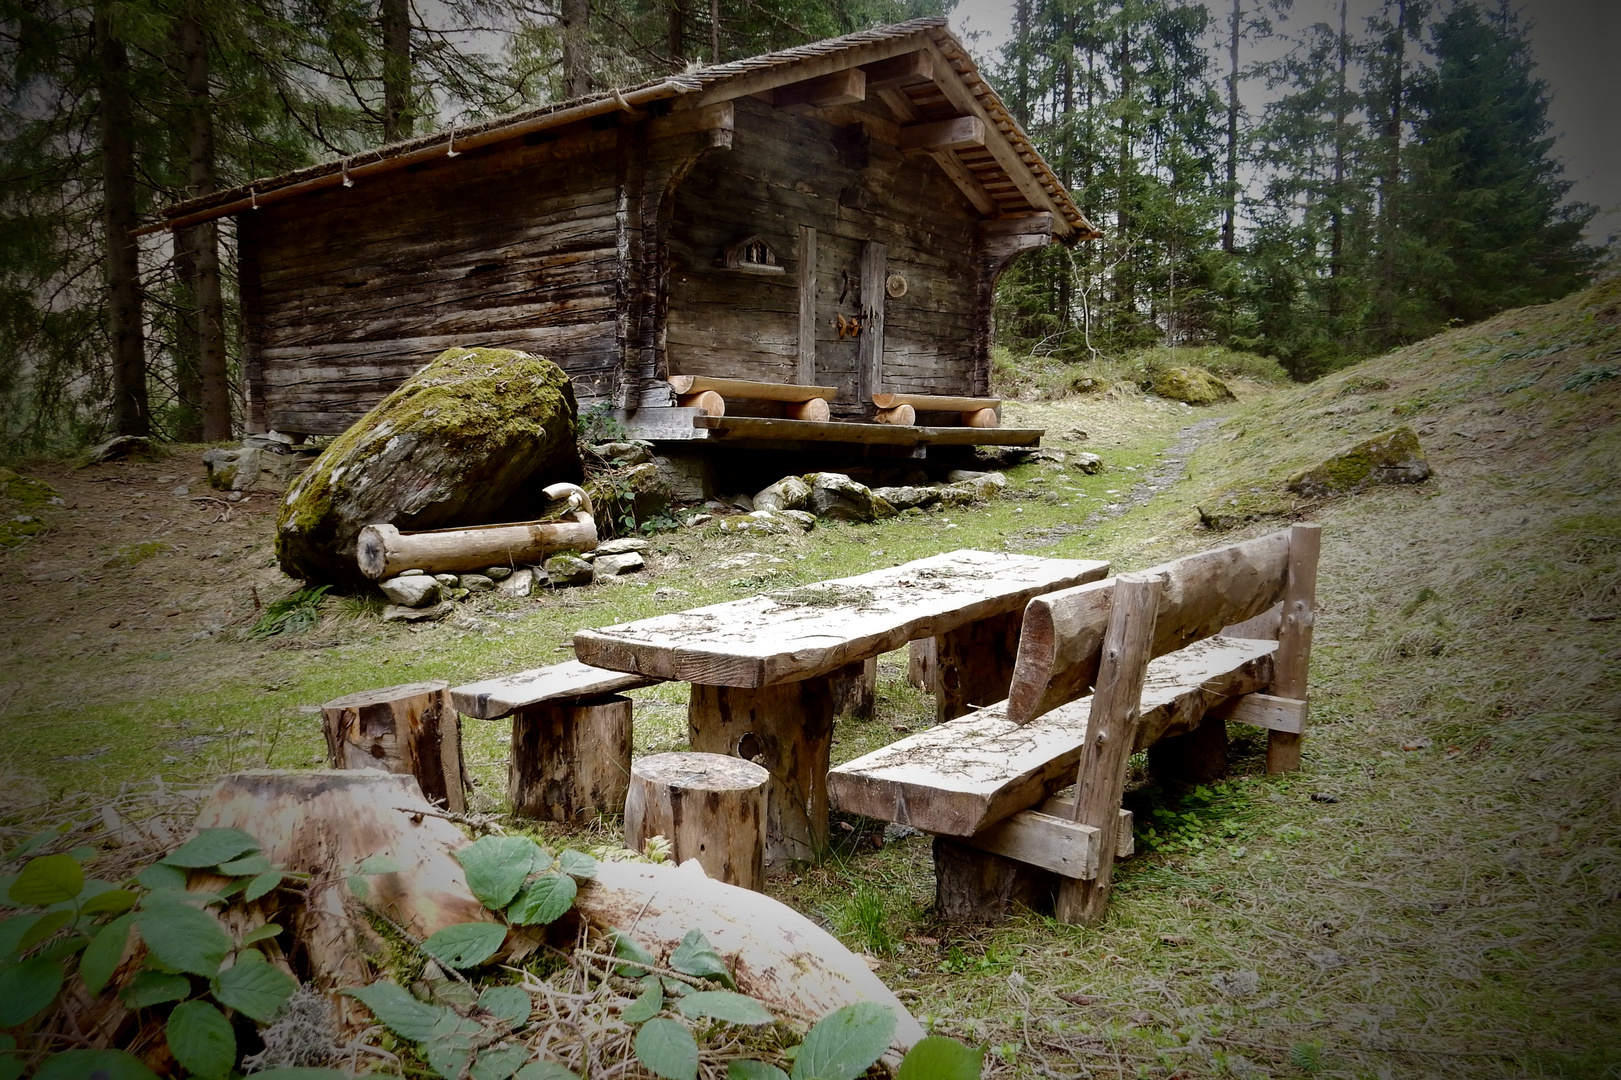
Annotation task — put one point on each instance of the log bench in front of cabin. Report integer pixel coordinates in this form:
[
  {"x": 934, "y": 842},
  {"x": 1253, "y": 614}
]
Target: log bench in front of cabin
[
  {"x": 1161, "y": 652},
  {"x": 710, "y": 394},
  {"x": 902, "y": 409}
]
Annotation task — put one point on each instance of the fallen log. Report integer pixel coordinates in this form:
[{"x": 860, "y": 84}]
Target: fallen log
[{"x": 383, "y": 550}]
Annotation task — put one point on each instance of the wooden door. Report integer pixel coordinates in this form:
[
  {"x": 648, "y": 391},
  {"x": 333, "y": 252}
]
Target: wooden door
[{"x": 838, "y": 295}]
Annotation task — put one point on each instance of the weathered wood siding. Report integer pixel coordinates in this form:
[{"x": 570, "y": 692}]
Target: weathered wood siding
[
  {"x": 353, "y": 290},
  {"x": 787, "y": 170}
]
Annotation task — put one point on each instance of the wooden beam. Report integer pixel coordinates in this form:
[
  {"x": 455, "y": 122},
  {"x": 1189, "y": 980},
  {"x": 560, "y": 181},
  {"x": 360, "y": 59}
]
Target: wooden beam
[
  {"x": 837, "y": 88},
  {"x": 805, "y": 364},
  {"x": 1294, "y": 639},
  {"x": 769, "y": 428},
  {"x": 1063, "y": 806},
  {"x": 1052, "y": 843},
  {"x": 899, "y": 104},
  {"x": 936, "y": 402},
  {"x": 970, "y": 187},
  {"x": 767, "y": 79},
  {"x": 899, "y": 70},
  {"x": 749, "y": 389},
  {"x": 875, "y": 126},
  {"x": 1264, "y": 710},
  {"x": 958, "y": 133},
  {"x": 870, "y": 347},
  {"x": 710, "y": 118}
]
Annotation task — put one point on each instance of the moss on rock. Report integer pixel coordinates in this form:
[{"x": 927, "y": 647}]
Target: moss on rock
[
  {"x": 1196, "y": 386},
  {"x": 1390, "y": 457},
  {"x": 471, "y": 439}
]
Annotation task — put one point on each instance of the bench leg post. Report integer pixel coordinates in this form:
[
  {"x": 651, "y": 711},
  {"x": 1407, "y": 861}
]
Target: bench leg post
[
  {"x": 974, "y": 664},
  {"x": 710, "y": 807},
  {"x": 787, "y": 728},
  {"x": 1197, "y": 757},
  {"x": 855, "y": 689},
  {"x": 570, "y": 760},
  {"x": 976, "y": 886},
  {"x": 1294, "y": 640}
]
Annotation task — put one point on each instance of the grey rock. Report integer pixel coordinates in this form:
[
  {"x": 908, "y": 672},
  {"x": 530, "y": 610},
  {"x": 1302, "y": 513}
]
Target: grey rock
[
  {"x": 789, "y": 493},
  {"x": 908, "y": 497},
  {"x": 743, "y": 503},
  {"x": 564, "y": 570},
  {"x": 1390, "y": 457},
  {"x": 120, "y": 448},
  {"x": 984, "y": 486},
  {"x": 626, "y": 453},
  {"x": 498, "y": 573},
  {"x": 449, "y": 581},
  {"x": 477, "y": 583},
  {"x": 836, "y": 497},
  {"x": 700, "y": 519},
  {"x": 250, "y": 468},
  {"x": 956, "y": 495},
  {"x": 620, "y": 546},
  {"x": 412, "y": 592},
  {"x": 957, "y": 476},
  {"x": 806, "y": 522},
  {"x": 411, "y": 573},
  {"x": 1090, "y": 464},
  {"x": 517, "y": 584},
  {"x": 401, "y": 613},
  {"x": 664, "y": 594},
  {"x": 614, "y": 565},
  {"x": 458, "y": 594},
  {"x": 234, "y": 496},
  {"x": 641, "y": 491},
  {"x": 274, "y": 441}
]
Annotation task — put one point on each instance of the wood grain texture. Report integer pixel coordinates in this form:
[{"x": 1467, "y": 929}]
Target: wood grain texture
[
  {"x": 1294, "y": 640},
  {"x": 936, "y": 402},
  {"x": 570, "y": 760},
  {"x": 759, "y": 427},
  {"x": 973, "y": 664},
  {"x": 710, "y": 807},
  {"x": 745, "y": 388},
  {"x": 411, "y": 729},
  {"x": 491, "y": 699}
]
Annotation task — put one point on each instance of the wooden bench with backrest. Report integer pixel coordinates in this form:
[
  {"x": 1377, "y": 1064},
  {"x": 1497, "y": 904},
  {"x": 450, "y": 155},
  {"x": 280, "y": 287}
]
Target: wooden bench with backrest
[
  {"x": 710, "y": 393},
  {"x": 1223, "y": 635},
  {"x": 976, "y": 412}
]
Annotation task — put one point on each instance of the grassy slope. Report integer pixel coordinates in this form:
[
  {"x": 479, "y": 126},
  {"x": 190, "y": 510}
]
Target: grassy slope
[{"x": 1452, "y": 913}]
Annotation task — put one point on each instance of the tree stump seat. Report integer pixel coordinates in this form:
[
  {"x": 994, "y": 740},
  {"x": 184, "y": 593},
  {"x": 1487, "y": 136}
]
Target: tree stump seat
[
  {"x": 710, "y": 807},
  {"x": 410, "y": 729}
]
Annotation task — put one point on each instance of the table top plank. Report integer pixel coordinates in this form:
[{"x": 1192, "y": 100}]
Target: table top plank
[{"x": 809, "y": 630}]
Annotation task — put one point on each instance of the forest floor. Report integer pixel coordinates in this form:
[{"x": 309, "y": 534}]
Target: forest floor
[{"x": 1436, "y": 893}]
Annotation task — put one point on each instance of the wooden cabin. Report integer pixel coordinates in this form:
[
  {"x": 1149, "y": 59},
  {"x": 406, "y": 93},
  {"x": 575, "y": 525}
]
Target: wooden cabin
[{"x": 833, "y": 215}]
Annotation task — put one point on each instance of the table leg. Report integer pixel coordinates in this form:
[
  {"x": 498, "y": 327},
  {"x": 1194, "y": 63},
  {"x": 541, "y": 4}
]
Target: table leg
[
  {"x": 788, "y": 729},
  {"x": 974, "y": 664}
]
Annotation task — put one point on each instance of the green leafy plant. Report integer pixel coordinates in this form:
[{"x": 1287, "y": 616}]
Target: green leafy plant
[{"x": 292, "y": 614}]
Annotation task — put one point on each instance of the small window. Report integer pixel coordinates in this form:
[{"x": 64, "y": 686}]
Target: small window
[{"x": 752, "y": 255}]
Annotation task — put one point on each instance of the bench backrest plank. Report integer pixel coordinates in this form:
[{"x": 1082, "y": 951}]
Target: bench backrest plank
[{"x": 1062, "y": 636}]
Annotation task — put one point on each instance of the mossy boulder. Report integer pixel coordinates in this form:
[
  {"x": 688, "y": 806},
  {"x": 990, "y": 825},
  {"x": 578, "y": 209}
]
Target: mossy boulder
[
  {"x": 1194, "y": 385},
  {"x": 471, "y": 439},
  {"x": 1390, "y": 457}
]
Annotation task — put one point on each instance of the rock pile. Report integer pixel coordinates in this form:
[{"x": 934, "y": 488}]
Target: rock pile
[
  {"x": 267, "y": 463},
  {"x": 416, "y": 595}
]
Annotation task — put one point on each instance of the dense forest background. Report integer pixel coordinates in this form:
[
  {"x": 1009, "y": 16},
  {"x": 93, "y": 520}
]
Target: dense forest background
[{"x": 1402, "y": 178}]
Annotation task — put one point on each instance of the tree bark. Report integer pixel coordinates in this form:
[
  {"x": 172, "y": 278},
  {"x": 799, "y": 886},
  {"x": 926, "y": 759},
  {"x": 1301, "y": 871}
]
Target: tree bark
[
  {"x": 577, "y": 47},
  {"x": 411, "y": 729},
  {"x": 676, "y": 36},
  {"x": 1230, "y": 194},
  {"x": 1336, "y": 243},
  {"x": 570, "y": 760},
  {"x": 202, "y": 243},
  {"x": 131, "y": 415},
  {"x": 395, "y": 18},
  {"x": 710, "y": 807}
]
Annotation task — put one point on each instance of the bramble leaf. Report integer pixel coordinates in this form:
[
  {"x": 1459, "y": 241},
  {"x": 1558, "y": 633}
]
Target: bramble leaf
[
  {"x": 183, "y": 937},
  {"x": 696, "y": 957},
  {"x": 27, "y": 988},
  {"x": 497, "y": 865},
  {"x": 49, "y": 879},
  {"x": 845, "y": 1041},
  {"x": 667, "y": 1048},
  {"x": 201, "y": 1039},
  {"x": 543, "y": 900},
  {"x": 939, "y": 1058},
  {"x": 724, "y": 1005},
  {"x": 465, "y": 945},
  {"x": 212, "y": 847},
  {"x": 647, "y": 1004},
  {"x": 255, "y": 990}
]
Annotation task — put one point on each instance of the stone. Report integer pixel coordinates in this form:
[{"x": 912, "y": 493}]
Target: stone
[
  {"x": 805, "y": 521},
  {"x": 1191, "y": 385},
  {"x": 1090, "y": 464},
  {"x": 836, "y": 497},
  {"x": 980, "y": 487},
  {"x": 517, "y": 584},
  {"x": 1393, "y": 456},
  {"x": 471, "y": 439},
  {"x": 180, "y": 490},
  {"x": 449, "y": 581},
  {"x": 609, "y": 566},
  {"x": 477, "y": 583},
  {"x": 410, "y": 573},
  {"x": 400, "y": 613},
  {"x": 412, "y": 592},
  {"x": 625, "y": 453},
  {"x": 955, "y": 495},
  {"x": 498, "y": 573},
  {"x": 638, "y": 493},
  {"x": 620, "y": 546},
  {"x": 700, "y": 519},
  {"x": 689, "y": 474},
  {"x": 789, "y": 493},
  {"x": 908, "y": 497},
  {"x": 121, "y": 448},
  {"x": 250, "y": 468},
  {"x": 957, "y": 476},
  {"x": 274, "y": 441},
  {"x": 565, "y": 570},
  {"x": 664, "y": 594}
]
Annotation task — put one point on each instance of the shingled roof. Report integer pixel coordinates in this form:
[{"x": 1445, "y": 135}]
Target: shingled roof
[{"x": 1005, "y": 177}]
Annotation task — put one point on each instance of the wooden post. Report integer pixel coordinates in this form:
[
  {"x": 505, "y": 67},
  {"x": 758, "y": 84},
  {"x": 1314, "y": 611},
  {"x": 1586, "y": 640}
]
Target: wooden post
[
  {"x": 1294, "y": 640},
  {"x": 710, "y": 807},
  {"x": 855, "y": 690},
  {"x": 570, "y": 760},
  {"x": 1116, "y": 701},
  {"x": 974, "y": 664},
  {"x": 788, "y": 729},
  {"x": 805, "y": 366},
  {"x": 409, "y": 729},
  {"x": 920, "y": 664},
  {"x": 870, "y": 348},
  {"x": 1196, "y": 757}
]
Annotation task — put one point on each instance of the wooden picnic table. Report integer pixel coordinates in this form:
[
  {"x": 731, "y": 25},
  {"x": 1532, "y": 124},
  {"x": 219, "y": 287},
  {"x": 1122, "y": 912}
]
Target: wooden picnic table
[{"x": 762, "y": 668}]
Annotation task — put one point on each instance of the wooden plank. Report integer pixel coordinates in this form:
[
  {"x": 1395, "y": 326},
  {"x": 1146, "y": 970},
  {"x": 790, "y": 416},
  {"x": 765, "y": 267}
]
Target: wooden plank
[
  {"x": 1294, "y": 640},
  {"x": 661, "y": 424},
  {"x": 870, "y": 347},
  {"x": 717, "y": 117},
  {"x": 1266, "y": 711},
  {"x": 815, "y": 629},
  {"x": 912, "y": 67},
  {"x": 805, "y": 368},
  {"x": 954, "y": 134},
  {"x": 937, "y": 402},
  {"x": 761, "y": 427},
  {"x": 490, "y": 699},
  {"x": 767, "y": 79},
  {"x": 1052, "y": 843},
  {"x": 835, "y": 88},
  {"x": 965, "y": 181},
  {"x": 958, "y": 777},
  {"x": 744, "y": 388},
  {"x": 1062, "y": 635}
]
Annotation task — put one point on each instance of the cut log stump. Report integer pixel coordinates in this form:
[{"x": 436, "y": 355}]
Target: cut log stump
[
  {"x": 973, "y": 664},
  {"x": 855, "y": 690},
  {"x": 710, "y": 807},
  {"x": 411, "y": 729},
  {"x": 570, "y": 760},
  {"x": 920, "y": 664}
]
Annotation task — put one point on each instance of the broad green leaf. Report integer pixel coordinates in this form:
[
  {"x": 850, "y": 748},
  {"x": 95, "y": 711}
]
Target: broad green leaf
[
  {"x": 7, "y": 1042},
  {"x": 497, "y": 865},
  {"x": 546, "y": 1070},
  {"x": 626, "y": 948},
  {"x": 232, "y": 887},
  {"x": 48, "y": 879},
  {"x": 577, "y": 865},
  {"x": 14, "y": 929},
  {"x": 510, "y": 1003},
  {"x": 667, "y": 1049},
  {"x": 675, "y": 987},
  {"x": 542, "y": 900},
  {"x": 11, "y": 1067},
  {"x": 724, "y": 1005},
  {"x": 465, "y": 945},
  {"x": 448, "y": 1055},
  {"x": 34, "y": 843},
  {"x": 302, "y": 1072},
  {"x": 753, "y": 1070},
  {"x": 696, "y": 957},
  {"x": 93, "y": 888},
  {"x": 184, "y": 938},
  {"x": 845, "y": 1041},
  {"x": 113, "y": 901},
  {"x": 372, "y": 865},
  {"x": 200, "y": 1038},
  {"x": 499, "y": 1061},
  {"x": 106, "y": 949},
  {"x": 212, "y": 847},
  {"x": 939, "y": 1058},
  {"x": 6, "y": 882},
  {"x": 246, "y": 866},
  {"x": 101, "y": 1064},
  {"x": 261, "y": 884},
  {"x": 359, "y": 887},
  {"x": 44, "y": 928},
  {"x": 150, "y": 988},
  {"x": 398, "y": 1011},
  {"x": 162, "y": 876},
  {"x": 192, "y": 898},
  {"x": 65, "y": 947},
  {"x": 647, "y": 1005},
  {"x": 27, "y": 988},
  {"x": 84, "y": 852},
  {"x": 255, "y": 990},
  {"x": 263, "y": 933}
]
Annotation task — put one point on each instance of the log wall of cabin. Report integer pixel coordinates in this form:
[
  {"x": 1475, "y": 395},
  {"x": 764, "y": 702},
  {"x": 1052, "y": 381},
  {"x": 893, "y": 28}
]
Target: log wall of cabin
[
  {"x": 350, "y": 291},
  {"x": 786, "y": 170}
]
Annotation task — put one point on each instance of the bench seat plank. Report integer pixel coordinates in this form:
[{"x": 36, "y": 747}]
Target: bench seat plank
[
  {"x": 958, "y": 777},
  {"x": 491, "y": 699},
  {"x": 936, "y": 402},
  {"x": 755, "y": 391}
]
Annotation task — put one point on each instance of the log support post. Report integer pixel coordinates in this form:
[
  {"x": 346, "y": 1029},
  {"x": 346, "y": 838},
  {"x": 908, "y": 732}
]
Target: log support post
[
  {"x": 976, "y": 886},
  {"x": 710, "y": 807},
  {"x": 974, "y": 664},
  {"x": 1197, "y": 757},
  {"x": 1294, "y": 641},
  {"x": 920, "y": 664},
  {"x": 410, "y": 729},
  {"x": 787, "y": 729},
  {"x": 570, "y": 759},
  {"x": 855, "y": 690}
]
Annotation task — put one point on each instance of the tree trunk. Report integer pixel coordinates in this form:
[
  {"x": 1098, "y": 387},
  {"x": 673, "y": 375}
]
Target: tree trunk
[
  {"x": 676, "y": 36},
  {"x": 1124, "y": 287},
  {"x": 1396, "y": 44},
  {"x": 710, "y": 807},
  {"x": 576, "y": 47},
  {"x": 395, "y": 17},
  {"x": 1336, "y": 243},
  {"x": 131, "y": 415},
  {"x": 202, "y": 242},
  {"x": 1230, "y": 194}
]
